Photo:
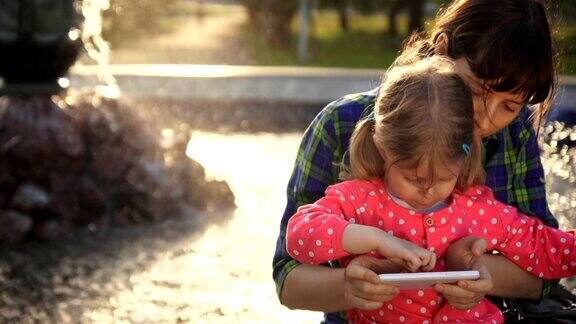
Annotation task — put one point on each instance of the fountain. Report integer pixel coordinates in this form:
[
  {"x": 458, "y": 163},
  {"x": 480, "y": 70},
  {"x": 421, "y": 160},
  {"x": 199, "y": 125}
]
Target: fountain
[{"x": 90, "y": 160}]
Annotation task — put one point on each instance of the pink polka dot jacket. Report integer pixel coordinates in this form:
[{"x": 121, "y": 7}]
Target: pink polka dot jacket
[{"x": 314, "y": 236}]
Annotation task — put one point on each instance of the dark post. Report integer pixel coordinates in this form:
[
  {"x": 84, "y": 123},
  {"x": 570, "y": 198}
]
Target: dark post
[{"x": 39, "y": 41}]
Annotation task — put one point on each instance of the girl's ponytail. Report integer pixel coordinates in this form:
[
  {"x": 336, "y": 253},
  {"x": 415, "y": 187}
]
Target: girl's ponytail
[
  {"x": 365, "y": 159},
  {"x": 472, "y": 172}
]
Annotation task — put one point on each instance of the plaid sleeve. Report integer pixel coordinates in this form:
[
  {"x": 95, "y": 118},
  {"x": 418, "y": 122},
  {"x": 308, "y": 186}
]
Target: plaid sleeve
[
  {"x": 316, "y": 167},
  {"x": 314, "y": 171},
  {"x": 514, "y": 172},
  {"x": 528, "y": 186},
  {"x": 528, "y": 182}
]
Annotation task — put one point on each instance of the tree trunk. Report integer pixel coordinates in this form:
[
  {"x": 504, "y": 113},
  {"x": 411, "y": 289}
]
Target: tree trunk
[
  {"x": 416, "y": 13},
  {"x": 342, "y": 7},
  {"x": 392, "y": 15}
]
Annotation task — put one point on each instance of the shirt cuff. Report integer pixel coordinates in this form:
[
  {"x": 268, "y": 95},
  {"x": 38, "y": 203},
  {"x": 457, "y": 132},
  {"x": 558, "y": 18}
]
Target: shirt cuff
[{"x": 547, "y": 286}]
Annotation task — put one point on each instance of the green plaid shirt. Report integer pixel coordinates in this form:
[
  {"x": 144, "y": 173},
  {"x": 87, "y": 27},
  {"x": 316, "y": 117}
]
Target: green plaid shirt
[{"x": 511, "y": 159}]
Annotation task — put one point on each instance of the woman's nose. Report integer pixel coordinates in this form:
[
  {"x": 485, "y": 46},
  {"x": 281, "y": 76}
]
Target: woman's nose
[
  {"x": 483, "y": 111},
  {"x": 482, "y": 122}
]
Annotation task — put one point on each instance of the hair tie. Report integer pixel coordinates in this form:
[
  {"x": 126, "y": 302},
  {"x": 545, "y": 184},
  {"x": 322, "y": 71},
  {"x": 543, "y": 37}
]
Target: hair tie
[
  {"x": 466, "y": 149},
  {"x": 371, "y": 117}
]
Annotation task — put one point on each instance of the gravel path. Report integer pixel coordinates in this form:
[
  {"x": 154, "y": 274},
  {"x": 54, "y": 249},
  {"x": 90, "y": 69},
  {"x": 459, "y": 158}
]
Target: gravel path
[{"x": 216, "y": 39}]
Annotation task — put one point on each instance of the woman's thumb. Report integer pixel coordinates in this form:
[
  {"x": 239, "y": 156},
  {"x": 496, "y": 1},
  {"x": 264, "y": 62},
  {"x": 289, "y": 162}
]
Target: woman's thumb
[{"x": 479, "y": 247}]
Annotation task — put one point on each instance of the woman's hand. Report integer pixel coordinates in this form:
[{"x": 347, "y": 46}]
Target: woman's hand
[
  {"x": 362, "y": 287},
  {"x": 465, "y": 255}
]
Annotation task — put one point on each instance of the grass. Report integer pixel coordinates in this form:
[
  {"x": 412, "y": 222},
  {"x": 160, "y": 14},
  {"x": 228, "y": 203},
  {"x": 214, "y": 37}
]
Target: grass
[
  {"x": 566, "y": 41},
  {"x": 366, "y": 44}
]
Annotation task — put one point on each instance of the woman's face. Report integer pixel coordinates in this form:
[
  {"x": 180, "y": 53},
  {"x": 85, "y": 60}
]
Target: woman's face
[{"x": 492, "y": 110}]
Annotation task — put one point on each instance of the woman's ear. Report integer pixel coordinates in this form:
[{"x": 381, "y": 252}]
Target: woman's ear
[{"x": 441, "y": 44}]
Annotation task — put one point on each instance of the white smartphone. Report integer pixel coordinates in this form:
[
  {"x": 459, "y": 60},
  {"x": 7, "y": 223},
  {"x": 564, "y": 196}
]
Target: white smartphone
[{"x": 426, "y": 279}]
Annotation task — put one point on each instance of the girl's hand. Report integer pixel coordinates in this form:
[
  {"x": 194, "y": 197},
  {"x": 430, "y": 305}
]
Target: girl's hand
[
  {"x": 362, "y": 287},
  {"x": 465, "y": 255},
  {"x": 413, "y": 257},
  {"x": 361, "y": 239}
]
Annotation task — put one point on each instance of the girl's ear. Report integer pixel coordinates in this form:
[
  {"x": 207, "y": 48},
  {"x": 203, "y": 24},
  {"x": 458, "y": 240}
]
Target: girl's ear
[{"x": 441, "y": 44}]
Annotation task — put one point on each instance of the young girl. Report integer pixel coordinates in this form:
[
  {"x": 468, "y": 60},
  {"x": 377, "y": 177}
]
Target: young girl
[{"x": 416, "y": 176}]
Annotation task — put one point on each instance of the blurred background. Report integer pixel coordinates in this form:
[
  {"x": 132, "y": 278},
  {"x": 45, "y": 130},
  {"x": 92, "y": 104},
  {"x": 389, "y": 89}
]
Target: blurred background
[
  {"x": 147, "y": 182},
  {"x": 342, "y": 33}
]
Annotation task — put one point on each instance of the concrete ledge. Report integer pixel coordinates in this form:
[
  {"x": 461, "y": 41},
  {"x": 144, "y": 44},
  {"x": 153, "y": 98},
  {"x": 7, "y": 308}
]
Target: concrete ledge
[
  {"x": 225, "y": 83},
  {"x": 232, "y": 83}
]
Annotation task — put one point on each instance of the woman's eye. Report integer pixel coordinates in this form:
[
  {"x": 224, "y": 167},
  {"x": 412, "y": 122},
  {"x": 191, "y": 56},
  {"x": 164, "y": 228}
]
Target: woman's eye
[{"x": 511, "y": 109}]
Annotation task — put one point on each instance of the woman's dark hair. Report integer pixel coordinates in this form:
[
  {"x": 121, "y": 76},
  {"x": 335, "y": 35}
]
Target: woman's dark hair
[{"x": 507, "y": 43}]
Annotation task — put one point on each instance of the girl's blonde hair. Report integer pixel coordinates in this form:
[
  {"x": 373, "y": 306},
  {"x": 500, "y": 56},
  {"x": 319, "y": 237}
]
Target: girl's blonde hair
[{"x": 423, "y": 114}]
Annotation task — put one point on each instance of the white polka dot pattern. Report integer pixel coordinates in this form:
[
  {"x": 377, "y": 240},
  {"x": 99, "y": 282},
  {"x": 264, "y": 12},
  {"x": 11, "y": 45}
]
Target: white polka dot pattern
[{"x": 314, "y": 235}]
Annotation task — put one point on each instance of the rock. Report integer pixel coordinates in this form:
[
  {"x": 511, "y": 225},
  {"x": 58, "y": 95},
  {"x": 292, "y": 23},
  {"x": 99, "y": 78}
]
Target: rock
[
  {"x": 30, "y": 197},
  {"x": 8, "y": 184},
  {"x": 14, "y": 225},
  {"x": 219, "y": 195},
  {"x": 110, "y": 162},
  {"x": 53, "y": 229},
  {"x": 94, "y": 163}
]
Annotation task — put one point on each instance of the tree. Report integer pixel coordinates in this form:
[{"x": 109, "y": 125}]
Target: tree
[
  {"x": 271, "y": 19},
  {"x": 415, "y": 15},
  {"x": 342, "y": 8}
]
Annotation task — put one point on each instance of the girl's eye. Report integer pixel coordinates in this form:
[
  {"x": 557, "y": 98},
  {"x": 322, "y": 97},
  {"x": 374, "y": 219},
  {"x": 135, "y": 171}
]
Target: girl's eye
[{"x": 418, "y": 183}]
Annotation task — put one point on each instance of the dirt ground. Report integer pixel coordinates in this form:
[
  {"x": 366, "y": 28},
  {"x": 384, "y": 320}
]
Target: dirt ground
[{"x": 213, "y": 39}]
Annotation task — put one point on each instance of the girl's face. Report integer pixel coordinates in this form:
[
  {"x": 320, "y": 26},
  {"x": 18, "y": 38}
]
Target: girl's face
[
  {"x": 492, "y": 110},
  {"x": 413, "y": 185}
]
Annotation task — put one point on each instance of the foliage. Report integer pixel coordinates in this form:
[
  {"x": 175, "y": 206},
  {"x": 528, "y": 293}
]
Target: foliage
[{"x": 271, "y": 19}]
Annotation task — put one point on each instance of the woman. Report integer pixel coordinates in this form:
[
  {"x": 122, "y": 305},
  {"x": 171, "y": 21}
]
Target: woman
[{"x": 503, "y": 51}]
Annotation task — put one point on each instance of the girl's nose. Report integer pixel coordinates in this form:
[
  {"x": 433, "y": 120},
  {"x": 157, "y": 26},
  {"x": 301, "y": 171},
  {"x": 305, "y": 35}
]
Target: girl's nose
[{"x": 427, "y": 192}]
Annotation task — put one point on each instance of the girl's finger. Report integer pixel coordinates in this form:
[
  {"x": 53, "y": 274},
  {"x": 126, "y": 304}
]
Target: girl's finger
[
  {"x": 413, "y": 259},
  {"x": 413, "y": 265},
  {"x": 424, "y": 256},
  {"x": 431, "y": 263}
]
